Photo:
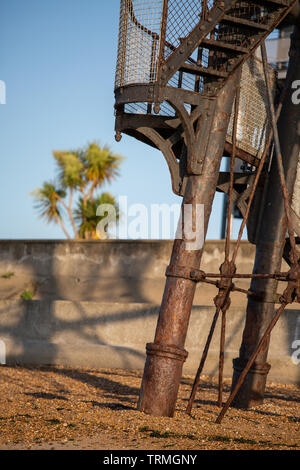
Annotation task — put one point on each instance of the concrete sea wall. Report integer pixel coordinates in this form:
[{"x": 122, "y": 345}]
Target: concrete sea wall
[{"x": 95, "y": 304}]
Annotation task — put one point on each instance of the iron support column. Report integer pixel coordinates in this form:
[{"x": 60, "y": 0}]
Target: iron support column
[
  {"x": 270, "y": 245},
  {"x": 166, "y": 356}
]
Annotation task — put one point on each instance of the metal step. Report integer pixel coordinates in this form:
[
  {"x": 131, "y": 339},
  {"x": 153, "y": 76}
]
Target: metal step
[
  {"x": 197, "y": 70},
  {"x": 272, "y": 3},
  {"x": 239, "y": 178},
  {"x": 241, "y": 22},
  {"x": 223, "y": 46}
]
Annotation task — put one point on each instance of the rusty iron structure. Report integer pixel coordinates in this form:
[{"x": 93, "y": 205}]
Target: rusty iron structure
[{"x": 188, "y": 84}]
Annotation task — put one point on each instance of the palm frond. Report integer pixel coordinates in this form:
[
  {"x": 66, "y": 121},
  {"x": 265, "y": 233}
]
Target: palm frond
[
  {"x": 47, "y": 201},
  {"x": 70, "y": 169}
]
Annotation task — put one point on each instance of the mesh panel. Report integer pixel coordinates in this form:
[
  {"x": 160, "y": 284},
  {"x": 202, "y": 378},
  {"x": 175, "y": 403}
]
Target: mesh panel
[
  {"x": 183, "y": 16},
  {"x": 253, "y": 120},
  {"x": 140, "y": 35},
  {"x": 140, "y": 24}
]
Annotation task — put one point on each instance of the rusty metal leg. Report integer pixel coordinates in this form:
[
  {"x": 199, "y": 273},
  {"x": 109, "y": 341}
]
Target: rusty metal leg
[
  {"x": 270, "y": 247},
  {"x": 166, "y": 356}
]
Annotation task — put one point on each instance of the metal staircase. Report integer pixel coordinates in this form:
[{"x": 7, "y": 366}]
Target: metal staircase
[
  {"x": 227, "y": 34},
  {"x": 174, "y": 59}
]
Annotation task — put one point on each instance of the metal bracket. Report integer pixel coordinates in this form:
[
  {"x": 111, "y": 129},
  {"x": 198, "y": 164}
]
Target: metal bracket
[
  {"x": 197, "y": 120},
  {"x": 184, "y": 272}
]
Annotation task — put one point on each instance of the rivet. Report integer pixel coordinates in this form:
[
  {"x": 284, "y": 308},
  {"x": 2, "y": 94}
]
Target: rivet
[{"x": 156, "y": 108}]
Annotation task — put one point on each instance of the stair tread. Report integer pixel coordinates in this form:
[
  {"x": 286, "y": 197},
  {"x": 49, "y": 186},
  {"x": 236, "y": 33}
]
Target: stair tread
[
  {"x": 215, "y": 44},
  {"x": 197, "y": 70},
  {"x": 244, "y": 22},
  {"x": 279, "y": 3}
]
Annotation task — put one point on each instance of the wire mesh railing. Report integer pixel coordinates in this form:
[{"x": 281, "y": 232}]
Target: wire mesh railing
[
  {"x": 149, "y": 28},
  {"x": 139, "y": 37},
  {"x": 254, "y": 124}
]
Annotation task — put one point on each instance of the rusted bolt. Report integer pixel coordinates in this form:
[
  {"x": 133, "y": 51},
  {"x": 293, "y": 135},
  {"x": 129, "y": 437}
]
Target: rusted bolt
[
  {"x": 118, "y": 136},
  {"x": 156, "y": 108}
]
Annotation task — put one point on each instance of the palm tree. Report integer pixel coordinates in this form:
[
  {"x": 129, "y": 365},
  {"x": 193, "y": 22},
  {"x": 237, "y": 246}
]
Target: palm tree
[
  {"x": 81, "y": 171},
  {"x": 48, "y": 202}
]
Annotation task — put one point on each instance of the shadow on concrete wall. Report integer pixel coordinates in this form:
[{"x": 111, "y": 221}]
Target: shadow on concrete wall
[
  {"x": 37, "y": 338},
  {"x": 42, "y": 319}
]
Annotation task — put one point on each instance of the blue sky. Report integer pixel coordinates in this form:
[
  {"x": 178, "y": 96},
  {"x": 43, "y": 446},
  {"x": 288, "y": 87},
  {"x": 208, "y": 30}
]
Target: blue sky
[{"x": 58, "y": 61}]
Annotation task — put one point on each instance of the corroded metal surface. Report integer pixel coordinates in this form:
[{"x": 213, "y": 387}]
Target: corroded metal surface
[
  {"x": 179, "y": 64},
  {"x": 179, "y": 292}
]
